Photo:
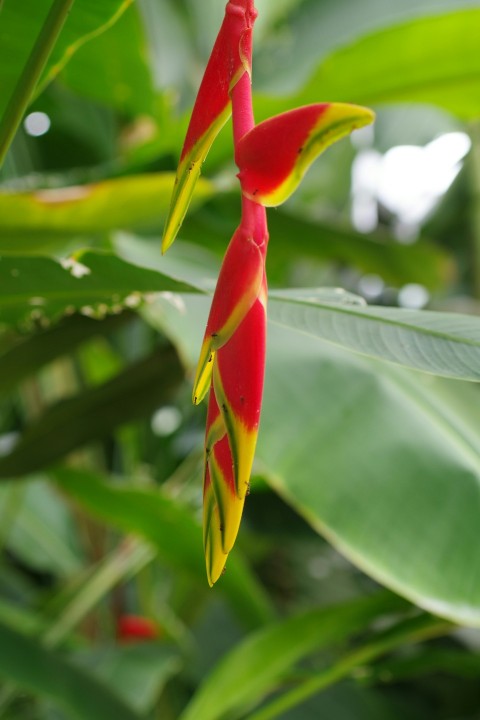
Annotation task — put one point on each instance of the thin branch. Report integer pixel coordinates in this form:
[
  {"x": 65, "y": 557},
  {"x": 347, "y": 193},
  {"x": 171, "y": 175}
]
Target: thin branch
[{"x": 32, "y": 71}]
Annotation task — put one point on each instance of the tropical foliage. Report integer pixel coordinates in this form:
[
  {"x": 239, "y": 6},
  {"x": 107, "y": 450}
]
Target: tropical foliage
[{"x": 352, "y": 590}]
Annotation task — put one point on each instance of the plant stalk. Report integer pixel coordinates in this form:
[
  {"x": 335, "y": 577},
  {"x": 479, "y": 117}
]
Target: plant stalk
[
  {"x": 413, "y": 630},
  {"x": 254, "y": 216},
  {"x": 32, "y": 71}
]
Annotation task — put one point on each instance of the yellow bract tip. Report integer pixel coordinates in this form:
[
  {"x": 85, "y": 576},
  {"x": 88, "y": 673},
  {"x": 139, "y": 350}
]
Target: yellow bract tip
[{"x": 204, "y": 372}]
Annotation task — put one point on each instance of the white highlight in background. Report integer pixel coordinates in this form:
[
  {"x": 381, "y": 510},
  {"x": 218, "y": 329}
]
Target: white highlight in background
[
  {"x": 413, "y": 296},
  {"x": 37, "y": 124},
  {"x": 407, "y": 180},
  {"x": 166, "y": 420}
]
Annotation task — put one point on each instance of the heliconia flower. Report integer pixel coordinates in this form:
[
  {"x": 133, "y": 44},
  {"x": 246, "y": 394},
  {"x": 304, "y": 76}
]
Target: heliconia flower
[
  {"x": 229, "y": 60},
  {"x": 275, "y": 155},
  {"x": 272, "y": 158}
]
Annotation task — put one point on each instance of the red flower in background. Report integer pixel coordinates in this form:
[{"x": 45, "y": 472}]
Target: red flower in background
[{"x": 136, "y": 628}]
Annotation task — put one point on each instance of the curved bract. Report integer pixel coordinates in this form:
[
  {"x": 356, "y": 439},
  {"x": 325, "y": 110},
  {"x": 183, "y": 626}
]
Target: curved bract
[
  {"x": 275, "y": 155},
  {"x": 229, "y": 60},
  {"x": 238, "y": 286}
]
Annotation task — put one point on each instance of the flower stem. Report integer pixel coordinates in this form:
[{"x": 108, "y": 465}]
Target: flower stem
[
  {"x": 254, "y": 217},
  {"x": 36, "y": 62},
  {"x": 409, "y": 631},
  {"x": 242, "y": 108}
]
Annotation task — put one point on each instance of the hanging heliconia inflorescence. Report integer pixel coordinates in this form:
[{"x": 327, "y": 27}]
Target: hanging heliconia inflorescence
[{"x": 272, "y": 158}]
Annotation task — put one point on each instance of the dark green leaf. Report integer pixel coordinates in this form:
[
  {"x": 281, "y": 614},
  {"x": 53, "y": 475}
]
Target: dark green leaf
[
  {"x": 45, "y": 672},
  {"x": 94, "y": 413},
  {"x": 158, "y": 518},
  {"x": 137, "y": 672},
  {"x": 113, "y": 67},
  {"x": 27, "y": 355},
  {"x": 36, "y": 288},
  {"x": 254, "y": 667},
  {"x": 21, "y": 24}
]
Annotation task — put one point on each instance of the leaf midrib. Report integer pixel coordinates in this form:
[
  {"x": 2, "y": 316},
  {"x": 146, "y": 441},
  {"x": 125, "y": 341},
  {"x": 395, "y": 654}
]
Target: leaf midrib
[{"x": 372, "y": 318}]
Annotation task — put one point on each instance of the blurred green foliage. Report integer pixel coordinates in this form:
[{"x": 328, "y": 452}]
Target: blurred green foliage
[{"x": 368, "y": 462}]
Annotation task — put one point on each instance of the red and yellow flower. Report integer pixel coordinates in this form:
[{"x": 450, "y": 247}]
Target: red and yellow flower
[{"x": 272, "y": 158}]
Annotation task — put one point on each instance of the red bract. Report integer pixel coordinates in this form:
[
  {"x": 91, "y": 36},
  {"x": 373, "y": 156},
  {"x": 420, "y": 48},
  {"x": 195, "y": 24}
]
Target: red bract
[
  {"x": 238, "y": 286},
  {"x": 230, "y": 59},
  {"x": 272, "y": 157}
]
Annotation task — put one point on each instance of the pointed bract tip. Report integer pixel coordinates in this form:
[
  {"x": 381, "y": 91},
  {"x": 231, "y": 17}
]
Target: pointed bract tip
[
  {"x": 230, "y": 506},
  {"x": 215, "y": 567},
  {"x": 215, "y": 558},
  {"x": 203, "y": 374},
  {"x": 167, "y": 241}
]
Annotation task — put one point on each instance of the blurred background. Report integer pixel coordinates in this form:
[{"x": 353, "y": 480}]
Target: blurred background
[{"x": 358, "y": 486}]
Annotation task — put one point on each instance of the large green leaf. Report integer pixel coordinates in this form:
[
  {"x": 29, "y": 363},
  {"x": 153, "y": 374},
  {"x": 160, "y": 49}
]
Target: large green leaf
[
  {"x": 114, "y": 67},
  {"x": 158, "y": 518},
  {"x": 428, "y": 60},
  {"x": 384, "y": 463},
  {"x": 405, "y": 632},
  {"x": 29, "y": 220},
  {"x": 21, "y": 24},
  {"x": 440, "y": 343},
  {"x": 46, "y": 673},
  {"x": 350, "y": 700},
  {"x": 444, "y": 344},
  {"x": 255, "y": 666},
  {"x": 36, "y": 288},
  {"x": 95, "y": 412},
  {"x": 316, "y": 29}
]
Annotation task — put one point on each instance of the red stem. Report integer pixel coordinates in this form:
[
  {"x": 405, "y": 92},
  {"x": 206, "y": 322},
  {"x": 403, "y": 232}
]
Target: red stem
[
  {"x": 254, "y": 217},
  {"x": 242, "y": 108}
]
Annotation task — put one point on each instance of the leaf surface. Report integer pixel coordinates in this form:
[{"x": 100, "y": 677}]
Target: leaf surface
[
  {"x": 94, "y": 413},
  {"x": 446, "y": 344},
  {"x": 113, "y": 68},
  {"x": 26, "y": 355},
  {"x": 29, "y": 219},
  {"x": 255, "y": 666},
  {"x": 383, "y": 462},
  {"x": 396, "y": 64},
  {"x": 41, "y": 289},
  {"x": 22, "y": 22},
  {"x": 46, "y": 673},
  {"x": 158, "y": 518}
]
